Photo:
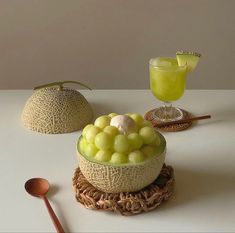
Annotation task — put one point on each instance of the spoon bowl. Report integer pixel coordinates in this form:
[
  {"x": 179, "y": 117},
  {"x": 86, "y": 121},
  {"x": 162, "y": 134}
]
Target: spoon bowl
[{"x": 37, "y": 187}]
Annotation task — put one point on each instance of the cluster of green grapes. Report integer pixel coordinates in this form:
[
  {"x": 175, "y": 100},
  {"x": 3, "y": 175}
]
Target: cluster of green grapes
[{"x": 106, "y": 143}]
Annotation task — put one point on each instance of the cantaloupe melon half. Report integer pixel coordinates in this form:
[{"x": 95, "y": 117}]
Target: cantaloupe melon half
[
  {"x": 122, "y": 178},
  {"x": 54, "y": 111}
]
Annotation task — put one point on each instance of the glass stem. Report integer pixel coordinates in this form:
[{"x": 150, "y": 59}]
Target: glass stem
[{"x": 167, "y": 110}]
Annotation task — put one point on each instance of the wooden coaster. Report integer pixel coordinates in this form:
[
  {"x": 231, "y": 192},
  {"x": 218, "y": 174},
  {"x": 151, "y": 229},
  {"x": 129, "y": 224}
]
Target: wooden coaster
[
  {"x": 171, "y": 128},
  {"x": 126, "y": 204}
]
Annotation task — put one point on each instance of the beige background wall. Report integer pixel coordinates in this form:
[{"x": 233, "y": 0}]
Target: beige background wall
[{"x": 107, "y": 43}]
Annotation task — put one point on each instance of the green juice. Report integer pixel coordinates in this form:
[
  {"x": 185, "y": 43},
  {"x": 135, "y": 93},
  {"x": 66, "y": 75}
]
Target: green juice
[{"x": 167, "y": 82}]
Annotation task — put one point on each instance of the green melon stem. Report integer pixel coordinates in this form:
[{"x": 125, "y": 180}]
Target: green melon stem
[{"x": 60, "y": 85}]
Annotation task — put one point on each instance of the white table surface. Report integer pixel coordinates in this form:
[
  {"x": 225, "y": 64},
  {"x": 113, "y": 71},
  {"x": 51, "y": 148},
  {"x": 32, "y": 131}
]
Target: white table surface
[{"x": 203, "y": 158}]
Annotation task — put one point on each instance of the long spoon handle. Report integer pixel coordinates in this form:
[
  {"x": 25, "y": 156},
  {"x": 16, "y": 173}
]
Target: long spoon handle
[{"x": 55, "y": 220}]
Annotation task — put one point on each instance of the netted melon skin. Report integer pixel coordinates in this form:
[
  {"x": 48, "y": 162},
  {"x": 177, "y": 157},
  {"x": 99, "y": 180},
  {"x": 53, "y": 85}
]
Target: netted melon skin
[
  {"x": 116, "y": 179},
  {"x": 54, "y": 111}
]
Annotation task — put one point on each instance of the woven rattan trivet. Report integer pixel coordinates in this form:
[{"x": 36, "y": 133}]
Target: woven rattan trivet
[
  {"x": 125, "y": 203},
  {"x": 171, "y": 128}
]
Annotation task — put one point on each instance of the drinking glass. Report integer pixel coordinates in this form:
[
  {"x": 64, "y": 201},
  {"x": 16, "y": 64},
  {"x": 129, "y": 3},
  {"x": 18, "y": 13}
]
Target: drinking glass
[{"x": 167, "y": 83}]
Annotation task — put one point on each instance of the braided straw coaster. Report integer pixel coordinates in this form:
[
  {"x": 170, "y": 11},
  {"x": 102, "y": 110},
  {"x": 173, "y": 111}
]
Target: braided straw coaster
[
  {"x": 171, "y": 128},
  {"x": 125, "y": 204}
]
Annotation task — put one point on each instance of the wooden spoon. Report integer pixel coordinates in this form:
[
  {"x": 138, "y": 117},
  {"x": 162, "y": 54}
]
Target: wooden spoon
[{"x": 38, "y": 187}]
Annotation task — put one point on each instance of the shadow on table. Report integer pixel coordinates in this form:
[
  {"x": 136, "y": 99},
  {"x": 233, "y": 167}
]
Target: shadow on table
[
  {"x": 219, "y": 116},
  {"x": 102, "y": 108},
  {"x": 195, "y": 186},
  {"x": 53, "y": 190}
]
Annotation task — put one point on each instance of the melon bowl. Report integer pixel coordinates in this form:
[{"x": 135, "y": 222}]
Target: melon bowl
[{"x": 112, "y": 178}]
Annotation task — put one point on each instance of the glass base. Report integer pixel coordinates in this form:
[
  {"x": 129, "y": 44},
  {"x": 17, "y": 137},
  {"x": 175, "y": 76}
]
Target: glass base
[{"x": 167, "y": 114}]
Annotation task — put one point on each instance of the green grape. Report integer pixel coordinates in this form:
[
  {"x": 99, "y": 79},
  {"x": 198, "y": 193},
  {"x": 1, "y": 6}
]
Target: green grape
[
  {"x": 136, "y": 156},
  {"x": 137, "y": 118},
  {"x": 85, "y": 129},
  {"x": 103, "y": 156},
  {"x": 91, "y": 150},
  {"x": 121, "y": 143},
  {"x": 82, "y": 145},
  {"x": 135, "y": 141},
  {"x": 112, "y": 114},
  {"x": 157, "y": 140},
  {"x": 102, "y": 121},
  {"x": 148, "y": 134},
  {"x": 111, "y": 130},
  {"x": 118, "y": 158},
  {"x": 146, "y": 123},
  {"x": 103, "y": 141},
  {"x": 91, "y": 133},
  {"x": 148, "y": 151}
]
